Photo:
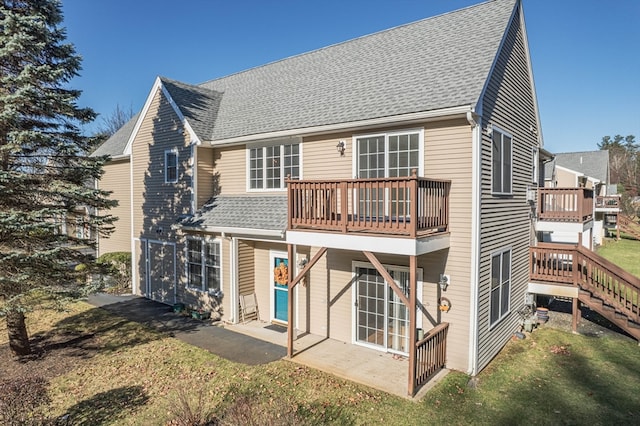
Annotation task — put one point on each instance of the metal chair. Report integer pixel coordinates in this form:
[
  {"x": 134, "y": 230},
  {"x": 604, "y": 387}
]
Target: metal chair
[{"x": 248, "y": 306}]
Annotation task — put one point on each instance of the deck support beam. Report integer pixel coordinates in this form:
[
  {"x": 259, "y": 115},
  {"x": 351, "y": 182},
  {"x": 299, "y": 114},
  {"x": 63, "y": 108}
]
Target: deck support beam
[
  {"x": 575, "y": 314},
  {"x": 413, "y": 289}
]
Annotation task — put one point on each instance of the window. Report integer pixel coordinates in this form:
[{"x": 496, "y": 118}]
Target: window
[
  {"x": 536, "y": 162},
  {"x": 500, "y": 285},
  {"x": 270, "y": 165},
  {"x": 501, "y": 162},
  {"x": 203, "y": 265},
  {"x": 171, "y": 166},
  {"x": 388, "y": 155}
]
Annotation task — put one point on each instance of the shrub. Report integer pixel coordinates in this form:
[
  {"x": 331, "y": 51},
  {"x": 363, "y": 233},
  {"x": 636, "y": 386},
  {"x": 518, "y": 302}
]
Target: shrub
[
  {"x": 23, "y": 401},
  {"x": 190, "y": 410},
  {"x": 117, "y": 266}
]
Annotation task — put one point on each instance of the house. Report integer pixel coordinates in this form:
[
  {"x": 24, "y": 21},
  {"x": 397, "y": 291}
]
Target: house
[
  {"x": 374, "y": 192},
  {"x": 589, "y": 170}
]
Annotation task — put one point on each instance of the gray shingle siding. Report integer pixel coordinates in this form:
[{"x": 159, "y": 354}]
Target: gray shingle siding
[
  {"x": 115, "y": 145},
  {"x": 594, "y": 164}
]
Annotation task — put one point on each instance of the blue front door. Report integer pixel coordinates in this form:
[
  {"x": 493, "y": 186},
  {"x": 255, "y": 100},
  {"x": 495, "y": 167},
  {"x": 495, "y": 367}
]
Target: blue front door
[{"x": 280, "y": 288}]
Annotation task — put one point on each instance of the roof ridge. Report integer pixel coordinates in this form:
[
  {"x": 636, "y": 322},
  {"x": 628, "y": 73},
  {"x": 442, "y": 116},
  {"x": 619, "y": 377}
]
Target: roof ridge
[{"x": 340, "y": 43}]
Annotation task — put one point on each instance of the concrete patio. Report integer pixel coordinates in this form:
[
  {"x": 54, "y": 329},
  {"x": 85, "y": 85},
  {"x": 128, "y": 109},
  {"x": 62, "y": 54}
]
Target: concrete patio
[{"x": 379, "y": 370}]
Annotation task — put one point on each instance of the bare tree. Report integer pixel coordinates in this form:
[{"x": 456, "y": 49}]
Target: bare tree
[{"x": 109, "y": 124}]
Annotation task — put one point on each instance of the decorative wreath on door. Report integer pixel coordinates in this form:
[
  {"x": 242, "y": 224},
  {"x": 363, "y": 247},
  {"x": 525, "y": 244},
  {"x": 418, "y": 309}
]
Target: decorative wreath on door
[{"x": 444, "y": 304}]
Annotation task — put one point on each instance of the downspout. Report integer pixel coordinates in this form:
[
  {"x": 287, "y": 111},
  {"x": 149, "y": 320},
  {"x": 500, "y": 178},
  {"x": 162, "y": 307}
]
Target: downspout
[
  {"x": 476, "y": 150},
  {"x": 235, "y": 295}
]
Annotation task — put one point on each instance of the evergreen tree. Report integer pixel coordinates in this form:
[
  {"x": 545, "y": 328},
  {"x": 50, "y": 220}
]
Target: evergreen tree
[{"x": 46, "y": 174}]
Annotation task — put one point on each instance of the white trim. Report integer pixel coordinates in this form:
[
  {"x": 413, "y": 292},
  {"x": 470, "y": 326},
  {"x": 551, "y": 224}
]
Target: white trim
[
  {"x": 500, "y": 252},
  {"x": 267, "y": 144},
  {"x": 204, "y": 240},
  {"x": 386, "y": 135},
  {"x": 407, "y": 119},
  {"x": 553, "y": 290},
  {"x": 504, "y": 133},
  {"x": 354, "y": 311},
  {"x": 272, "y": 302},
  {"x": 476, "y": 240},
  {"x": 390, "y": 245},
  {"x": 194, "y": 177},
  {"x": 134, "y": 270},
  {"x": 135, "y": 283},
  {"x": 234, "y": 297},
  {"x": 236, "y": 231},
  {"x": 172, "y": 151},
  {"x": 145, "y": 109}
]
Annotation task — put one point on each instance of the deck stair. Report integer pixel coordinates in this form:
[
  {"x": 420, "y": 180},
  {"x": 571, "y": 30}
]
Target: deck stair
[
  {"x": 629, "y": 226},
  {"x": 603, "y": 286}
]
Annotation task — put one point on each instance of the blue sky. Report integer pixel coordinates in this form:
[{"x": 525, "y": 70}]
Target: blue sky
[{"x": 585, "y": 53}]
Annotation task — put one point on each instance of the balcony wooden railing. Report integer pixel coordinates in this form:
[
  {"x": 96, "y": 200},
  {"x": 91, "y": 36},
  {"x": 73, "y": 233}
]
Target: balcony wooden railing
[
  {"x": 431, "y": 353},
  {"x": 404, "y": 206},
  {"x": 608, "y": 202},
  {"x": 579, "y": 266},
  {"x": 565, "y": 204}
]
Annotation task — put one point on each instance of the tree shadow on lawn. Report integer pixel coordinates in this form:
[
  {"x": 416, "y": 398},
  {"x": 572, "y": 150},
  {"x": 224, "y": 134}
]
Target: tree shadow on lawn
[{"x": 106, "y": 407}]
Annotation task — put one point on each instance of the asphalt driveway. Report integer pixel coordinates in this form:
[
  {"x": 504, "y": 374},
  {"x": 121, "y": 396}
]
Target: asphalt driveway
[{"x": 227, "y": 344}]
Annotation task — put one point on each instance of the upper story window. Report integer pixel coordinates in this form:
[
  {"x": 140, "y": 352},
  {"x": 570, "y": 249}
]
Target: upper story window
[
  {"x": 388, "y": 154},
  {"x": 535, "y": 153},
  {"x": 501, "y": 170},
  {"x": 270, "y": 165},
  {"x": 500, "y": 285},
  {"x": 170, "y": 166}
]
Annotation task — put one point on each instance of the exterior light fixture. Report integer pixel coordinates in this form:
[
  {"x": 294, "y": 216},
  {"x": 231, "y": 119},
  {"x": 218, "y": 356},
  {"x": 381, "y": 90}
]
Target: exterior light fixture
[
  {"x": 341, "y": 147},
  {"x": 444, "y": 282}
]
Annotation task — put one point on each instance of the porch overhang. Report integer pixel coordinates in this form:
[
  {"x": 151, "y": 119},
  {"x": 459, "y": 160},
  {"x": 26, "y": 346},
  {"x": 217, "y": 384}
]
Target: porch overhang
[
  {"x": 379, "y": 244},
  {"x": 555, "y": 226}
]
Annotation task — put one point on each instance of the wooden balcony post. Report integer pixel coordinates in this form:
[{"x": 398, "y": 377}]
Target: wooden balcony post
[
  {"x": 413, "y": 204},
  {"x": 344, "y": 206},
  {"x": 290, "y": 298},
  {"x": 413, "y": 287},
  {"x": 290, "y": 202}
]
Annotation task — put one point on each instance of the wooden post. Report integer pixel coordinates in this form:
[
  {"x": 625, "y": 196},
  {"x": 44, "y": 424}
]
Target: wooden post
[
  {"x": 575, "y": 315},
  {"x": 413, "y": 204},
  {"x": 291, "y": 258},
  {"x": 344, "y": 206},
  {"x": 413, "y": 287}
]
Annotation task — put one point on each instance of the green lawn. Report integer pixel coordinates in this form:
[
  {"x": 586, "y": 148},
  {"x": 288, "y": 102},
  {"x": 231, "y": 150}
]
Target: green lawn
[
  {"x": 624, "y": 253},
  {"x": 124, "y": 373}
]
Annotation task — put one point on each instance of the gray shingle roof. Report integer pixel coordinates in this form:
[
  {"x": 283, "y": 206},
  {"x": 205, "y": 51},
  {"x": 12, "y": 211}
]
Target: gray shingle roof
[
  {"x": 427, "y": 65},
  {"x": 248, "y": 212},
  {"x": 432, "y": 64},
  {"x": 594, "y": 164},
  {"x": 198, "y": 105},
  {"x": 116, "y": 144}
]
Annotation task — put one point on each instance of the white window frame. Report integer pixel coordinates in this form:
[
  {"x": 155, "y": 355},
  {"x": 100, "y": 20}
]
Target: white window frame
[
  {"x": 502, "y": 190},
  {"x": 387, "y": 135},
  {"x": 204, "y": 287},
  {"x": 535, "y": 151},
  {"x": 283, "y": 175},
  {"x": 419, "y": 295},
  {"x": 167, "y": 153},
  {"x": 501, "y": 314}
]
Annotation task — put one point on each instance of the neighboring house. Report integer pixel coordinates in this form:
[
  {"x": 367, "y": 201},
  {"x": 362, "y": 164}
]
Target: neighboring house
[
  {"x": 411, "y": 155},
  {"x": 589, "y": 170}
]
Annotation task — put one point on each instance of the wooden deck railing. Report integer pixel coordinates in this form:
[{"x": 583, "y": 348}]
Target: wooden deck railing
[
  {"x": 608, "y": 202},
  {"x": 405, "y": 206},
  {"x": 431, "y": 353},
  {"x": 579, "y": 266},
  {"x": 565, "y": 204}
]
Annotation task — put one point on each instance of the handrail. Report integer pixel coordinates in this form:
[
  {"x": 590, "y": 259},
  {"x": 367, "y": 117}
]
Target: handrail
[
  {"x": 431, "y": 353},
  {"x": 608, "y": 201},
  {"x": 404, "y": 206},
  {"x": 576, "y": 265}
]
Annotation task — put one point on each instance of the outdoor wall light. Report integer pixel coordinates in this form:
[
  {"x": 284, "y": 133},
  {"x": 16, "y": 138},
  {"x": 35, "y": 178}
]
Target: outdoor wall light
[
  {"x": 341, "y": 147},
  {"x": 444, "y": 282}
]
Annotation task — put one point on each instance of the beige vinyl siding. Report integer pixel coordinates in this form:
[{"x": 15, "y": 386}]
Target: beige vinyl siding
[
  {"x": 230, "y": 170},
  {"x": 156, "y": 204},
  {"x": 505, "y": 220},
  {"x": 263, "y": 275},
  {"x": 116, "y": 178},
  {"x": 206, "y": 182},
  {"x": 566, "y": 179},
  {"x": 448, "y": 155},
  {"x": 320, "y": 158},
  {"x": 246, "y": 274}
]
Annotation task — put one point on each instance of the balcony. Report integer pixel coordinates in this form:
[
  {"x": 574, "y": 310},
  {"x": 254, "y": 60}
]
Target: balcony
[
  {"x": 410, "y": 207},
  {"x": 608, "y": 203},
  {"x": 565, "y": 204}
]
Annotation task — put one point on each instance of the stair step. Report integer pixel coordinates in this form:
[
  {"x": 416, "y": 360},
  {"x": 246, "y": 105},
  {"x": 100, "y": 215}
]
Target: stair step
[
  {"x": 633, "y": 324},
  {"x": 608, "y": 308}
]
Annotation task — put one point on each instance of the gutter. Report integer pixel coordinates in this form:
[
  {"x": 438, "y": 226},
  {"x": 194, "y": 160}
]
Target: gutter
[
  {"x": 452, "y": 112},
  {"x": 228, "y": 230}
]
